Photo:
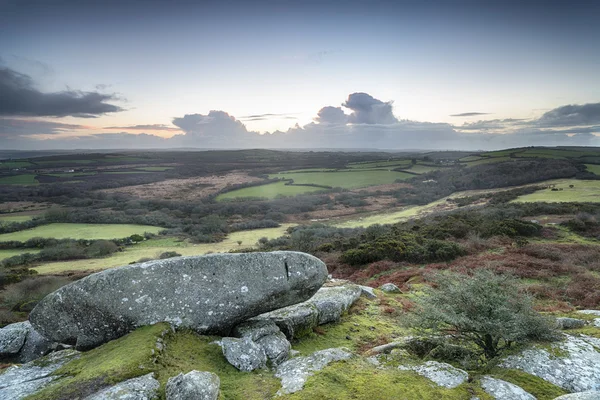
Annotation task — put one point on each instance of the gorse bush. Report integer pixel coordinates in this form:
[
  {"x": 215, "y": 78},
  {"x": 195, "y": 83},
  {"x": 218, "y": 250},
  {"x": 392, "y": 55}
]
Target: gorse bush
[{"x": 485, "y": 309}]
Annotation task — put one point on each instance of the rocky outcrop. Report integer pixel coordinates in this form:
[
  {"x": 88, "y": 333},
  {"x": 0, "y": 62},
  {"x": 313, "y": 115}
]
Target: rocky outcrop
[
  {"x": 12, "y": 338},
  {"x": 326, "y": 306},
  {"x": 18, "y": 382},
  {"x": 243, "y": 354},
  {"x": 142, "y": 388},
  {"x": 589, "y": 395},
  {"x": 439, "y": 373},
  {"x": 389, "y": 288},
  {"x": 209, "y": 294},
  {"x": 573, "y": 364},
  {"x": 569, "y": 323},
  {"x": 20, "y": 342},
  {"x": 194, "y": 385},
  {"x": 294, "y": 373},
  {"x": 265, "y": 334},
  {"x": 502, "y": 390}
]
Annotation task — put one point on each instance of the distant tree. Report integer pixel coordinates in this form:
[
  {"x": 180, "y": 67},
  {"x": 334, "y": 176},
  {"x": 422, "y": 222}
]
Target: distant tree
[{"x": 484, "y": 309}]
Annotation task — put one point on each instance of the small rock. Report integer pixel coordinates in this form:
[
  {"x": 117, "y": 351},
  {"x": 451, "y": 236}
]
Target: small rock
[
  {"x": 12, "y": 338},
  {"x": 142, "y": 388},
  {"x": 596, "y": 323},
  {"x": 294, "y": 373},
  {"x": 441, "y": 374},
  {"x": 390, "y": 288},
  {"x": 569, "y": 323},
  {"x": 276, "y": 347},
  {"x": 255, "y": 329},
  {"x": 386, "y": 348},
  {"x": 194, "y": 385},
  {"x": 589, "y": 395},
  {"x": 37, "y": 346},
  {"x": 243, "y": 354},
  {"x": 367, "y": 291},
  {"x": 502, "y": 390}
]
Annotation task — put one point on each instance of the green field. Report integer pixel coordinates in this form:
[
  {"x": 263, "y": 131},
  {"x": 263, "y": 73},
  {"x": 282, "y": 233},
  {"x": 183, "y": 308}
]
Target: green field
[
  {"x": 11, "y": 253},
  {"x": 470, "y": 158},
  {"x": 154, "y": 169},
  {"x": 69, "y": 174},
  {"x": 125, "y": 172},
  {"x": 80, "y": 231},
  {"x": 582, "y": 192},
  {"x": 381, "y": 164},
  {"x": 593, "y": 168},
  {"x": 154, "y": 247},
  {"x": 421, "y": 169},
  {"x": 345, "y": 179},
  {"x": 63, "y": 162},
  {"x": 489, "y": 160},
  {"x": 8, "y": 218},
  {"x": 268, "y": 191},
  {"x": 26, "y": 179},
  {"x": 14, "y": 164}
]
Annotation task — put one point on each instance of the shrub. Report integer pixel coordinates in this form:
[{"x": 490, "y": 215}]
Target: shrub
[
  {"x": 169, "y": 254},
  {"x": 484, "y": 309},
  {"x": 101, "y": 248}
]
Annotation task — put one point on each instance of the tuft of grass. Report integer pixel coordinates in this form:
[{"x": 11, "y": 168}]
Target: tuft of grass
[
  {"x": 124, "y": 358},
  {"x": 186, "y": 351},
  {"x": 538, "y": 387},
  {"x": 356, "y": 379}
]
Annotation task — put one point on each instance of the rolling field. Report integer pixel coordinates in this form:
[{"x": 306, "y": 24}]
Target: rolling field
[
  {"x": 69, "y": 174},
  {"x": 268, "y": 191},
  {"x": 26, "y": 179},
  {"x": 488, "y": 160},
  {"x": 381, "y": 164},
  {"x": 421, "y": 169},
  {"x": 14, "y": 164},
  {"x": 7, "y": 218},
  {"x": 154, "y": 169},
  {"x": 80, "y": 231},
  {"x": 345, "y": 179},
  {"x": 63, "y": 162},
  {"x": 154, "y": 247},
  {"x": 582, "y": 192},
  {"x": 11, "y": 253},
  {"x": 593, "y": 168}
]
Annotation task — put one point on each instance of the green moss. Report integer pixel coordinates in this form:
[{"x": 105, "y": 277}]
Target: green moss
[
  {"x": 586, "y": 330},
  {"x": 363, "y": 327},
  {"x": 113, "y": 362},
  {"x": 186, "y": 351},
  {"x": 356, "y": 379},
  {"x": 538, "y": 387}
]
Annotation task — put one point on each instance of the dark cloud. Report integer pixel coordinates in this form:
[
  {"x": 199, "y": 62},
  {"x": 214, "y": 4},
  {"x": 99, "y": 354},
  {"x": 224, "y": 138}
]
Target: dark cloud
[
  {"x": 153, "y": 127},
  {"x": 469, "y": 114},
  {"x": 19, "y": 97},
  {"x": 368, "y": 110},
  {"x": 17, "y": 126},
  {"x": 332, "y": 115},
  {"x": 571, "y": 115}
]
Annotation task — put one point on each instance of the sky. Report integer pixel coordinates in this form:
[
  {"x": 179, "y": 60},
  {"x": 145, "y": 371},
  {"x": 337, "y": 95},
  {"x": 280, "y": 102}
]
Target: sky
[{"x": 471, "y": 75}]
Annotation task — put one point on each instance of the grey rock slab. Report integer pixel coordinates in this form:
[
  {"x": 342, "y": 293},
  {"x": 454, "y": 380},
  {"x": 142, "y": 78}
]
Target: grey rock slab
[
  {"x": 326, "y": 306},
  {"x": 20, "y": 381},
  {"x": 12, "y": 337},
  {"x": 569, "y": 323},
  {"x": 441, "y": 374},
  {"x": 209, "y": 294},
  {"x": 589, "y": 395},
  {"x": 243, "y": 354},
  {"x": 390, "y": 288},
  {"x": 194, "y": 385},
  {"x": 590, "y": 312},
  {"x": 502, "y": 390},
  {"x": 141, "y": 388},
  {"x": 294, "y": 373},
  {"x": 367, "y": 291},
  {"x": 255, "y": 329},
  {"x": 573, "y": 364},
  {"x": 36, "y": 346}
]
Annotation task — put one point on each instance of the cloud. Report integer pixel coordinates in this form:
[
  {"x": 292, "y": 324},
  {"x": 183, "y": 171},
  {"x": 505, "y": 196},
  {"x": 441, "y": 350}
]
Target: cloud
[
  {"x": 152, "y": 127},
  {"x": 490, "y": 124},
  {"x": 469, "y": 114},
  {"x": 369, "y": 110},
  {"x": 571, "y": 115},
  {"x": 262, "y": 117},
  {"x": 20, "y": 98},
  {"x": 216, "y": 129},
  {"x": 332, "y": 115},
  {"x": 17, "y": 126}
]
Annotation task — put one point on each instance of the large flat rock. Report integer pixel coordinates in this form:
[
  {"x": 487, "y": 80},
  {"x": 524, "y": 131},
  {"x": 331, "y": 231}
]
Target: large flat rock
[{"x": 209, "y": 294}]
